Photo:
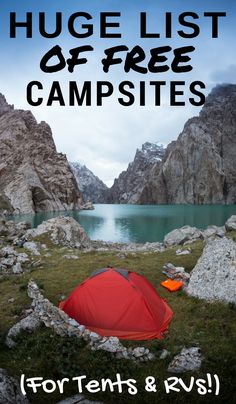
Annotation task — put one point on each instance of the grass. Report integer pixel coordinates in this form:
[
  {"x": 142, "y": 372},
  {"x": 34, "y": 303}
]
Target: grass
[{"x": 211, "y": 326}]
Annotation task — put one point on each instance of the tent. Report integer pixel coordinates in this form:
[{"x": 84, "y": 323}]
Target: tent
[{"x": 121, "y": 303}]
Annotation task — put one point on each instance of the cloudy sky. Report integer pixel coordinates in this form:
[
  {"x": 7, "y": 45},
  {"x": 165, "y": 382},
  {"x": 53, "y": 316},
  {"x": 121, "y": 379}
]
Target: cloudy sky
[{"x": 105, "y": 138}]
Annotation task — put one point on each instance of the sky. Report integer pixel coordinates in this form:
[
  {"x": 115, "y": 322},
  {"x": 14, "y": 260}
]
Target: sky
[{"x": 105, "y": 138}]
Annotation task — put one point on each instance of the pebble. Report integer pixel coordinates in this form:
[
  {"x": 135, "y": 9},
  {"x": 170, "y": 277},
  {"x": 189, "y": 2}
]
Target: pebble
[
  {"x": 164, "y": 354},
  {"x": 11, "y": 300}
]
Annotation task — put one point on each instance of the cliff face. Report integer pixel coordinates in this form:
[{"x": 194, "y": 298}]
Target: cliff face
[
  {"x": 33, "y": 176},
  {"x": 200, "y": 166},
  {"x": 129, "y": 187},
  {"x": 91, "y": 186}
]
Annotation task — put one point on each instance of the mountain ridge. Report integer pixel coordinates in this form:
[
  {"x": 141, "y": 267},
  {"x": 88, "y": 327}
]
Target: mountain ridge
[
  {"x": 91, "y": 186},
  {"x": 199, "y": 167},
  {"x": 128, "y": 187},
  {"x": 34, "y": 177}
]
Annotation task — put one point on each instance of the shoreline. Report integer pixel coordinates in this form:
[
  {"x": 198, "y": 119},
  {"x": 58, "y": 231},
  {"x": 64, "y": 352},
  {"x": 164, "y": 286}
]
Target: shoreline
[{"x": 138, "y": 225}]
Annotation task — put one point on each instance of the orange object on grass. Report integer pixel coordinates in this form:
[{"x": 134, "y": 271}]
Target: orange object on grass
[{"x": 171, "y": 285}]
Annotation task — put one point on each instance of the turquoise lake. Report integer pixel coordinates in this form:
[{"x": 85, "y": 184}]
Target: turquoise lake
[{"x": 139, "y": 223}]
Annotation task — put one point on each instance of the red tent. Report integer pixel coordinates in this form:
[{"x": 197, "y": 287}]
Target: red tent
[{"x": 116, "y": 302}]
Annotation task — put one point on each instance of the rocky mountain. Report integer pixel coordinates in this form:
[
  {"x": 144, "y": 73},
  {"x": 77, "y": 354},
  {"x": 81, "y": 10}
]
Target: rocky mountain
[
  {"x": 129, "y": 186},
  {"x": 33, "y": 176},
  {"x": 199, "y": 167},
  {"x": 92, "y": 187}
]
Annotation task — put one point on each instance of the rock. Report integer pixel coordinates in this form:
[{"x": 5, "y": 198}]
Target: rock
[
  {"x": 8, "y": 262},
  {"x": 28, "y": 311},
  {"x": 112, "y": 344},
  {"x": 140, "y": 351},
  {"x": 220, "y": 233},
  {"x": 62, "y": 230},
  {"x": 10, "y": 256},
  {"x": 130, "y": 248},
  {"x": 180, "y": 270},
  {"x": 81, "y": 328},
  {"x": 122, "y": 256},
  {"x": 32, "y": 247},
  {"x": 11, "y": 300},
  {"x": 73, "y": 322},
  {"x": 189, "y": 359},
  {"x": 91, "y": 186},
  {"x": 29, "y": 324},
  {"x": 214, "y": 276},
  {"x": 78, "y": 399},
  {"x": 230, "y": 225},
  {"x": 71, "y": 257},
  {"x": 151, "y": 356},
  {"x": 34, "y": 177},
  {"x": 124, "y": 354},
  {"x": 176, "y": 273},
  {"x": 183, "y": 252},
  {"x": 11, "y": 261},
  {"x": 47, "y": 255},
  {"x": 10, "y": 392},
  {"x": 3, "y": 230},
  {"x": 212, "y": 231},
  {"x": 8, "y": 250},
  {"x": 4, "y": 212},
  {"x": 95, "y": 337},
  {"x": 164, "y": 354},
  {"x": 87, "y": 206},
  {"x": 10, "y": 229},
  {"x": 17, "y": 268},
  {"x": 197, "y": 168},
  {"x": 180, "y": 236},
  {"x": 22, "y": 258},
  {"x": 36, "y": 264},
  {"x": 130, "y": 187}
]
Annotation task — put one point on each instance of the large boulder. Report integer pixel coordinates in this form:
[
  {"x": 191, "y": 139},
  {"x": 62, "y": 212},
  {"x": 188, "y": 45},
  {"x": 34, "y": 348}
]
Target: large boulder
[
  {"x": 29, "y": 324},
  {"x": 214, "y": 276},
  {"x": 182, "y": 235},
  {"x": 189, "y": 359},
  {"x": 230, "y": 225},
  {"x": 10, "y": 392},
  {"x": 62, "y": 230},
  {"x": 10, "y": 229}
]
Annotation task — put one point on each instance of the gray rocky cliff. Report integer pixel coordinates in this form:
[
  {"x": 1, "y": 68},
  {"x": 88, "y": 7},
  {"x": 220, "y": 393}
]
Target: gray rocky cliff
[
  {"x": 33, "y": 176},
  {"x": 129, "y": 187},
  {"x": 91, "y": 186},
  {"x": 198, "y": 168}
]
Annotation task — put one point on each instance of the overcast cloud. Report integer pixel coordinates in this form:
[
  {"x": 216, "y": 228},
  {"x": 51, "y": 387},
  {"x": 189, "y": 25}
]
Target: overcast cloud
[{"x": 105, "y": 138}]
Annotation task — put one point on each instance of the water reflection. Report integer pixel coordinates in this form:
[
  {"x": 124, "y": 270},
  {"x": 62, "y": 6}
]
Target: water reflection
[
  {"x": 140, "y": 223},
  {"x": 150, "y": 223}
]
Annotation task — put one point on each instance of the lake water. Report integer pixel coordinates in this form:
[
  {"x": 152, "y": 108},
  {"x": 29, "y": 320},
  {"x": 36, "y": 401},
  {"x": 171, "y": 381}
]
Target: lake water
[{"x": 140, "y": 223}]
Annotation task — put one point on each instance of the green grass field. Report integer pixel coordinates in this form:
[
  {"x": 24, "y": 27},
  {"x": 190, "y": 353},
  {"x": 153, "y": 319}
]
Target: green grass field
[{"x": 211, "y": 326}]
